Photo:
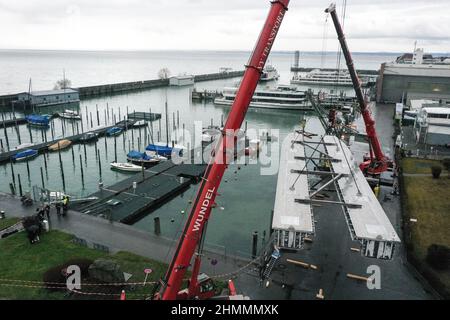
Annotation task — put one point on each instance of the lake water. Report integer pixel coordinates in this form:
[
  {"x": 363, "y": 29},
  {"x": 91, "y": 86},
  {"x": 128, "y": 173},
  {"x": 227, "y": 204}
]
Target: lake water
[{"x": 246, "y": 197}]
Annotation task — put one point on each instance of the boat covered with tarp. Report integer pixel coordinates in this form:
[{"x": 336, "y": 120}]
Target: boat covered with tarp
[
  {"x": 165, "y": 150},
  {"x": 38, "y": 120},
  {"x": 143, "y": 158},
  {"x": 25, "y": 155},
  {"x": 114, "y": 131}
]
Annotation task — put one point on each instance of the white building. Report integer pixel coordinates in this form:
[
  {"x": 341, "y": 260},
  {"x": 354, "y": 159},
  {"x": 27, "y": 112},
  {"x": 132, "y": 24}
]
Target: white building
[
  {"x": 432, "y": 126},
  {"x": 49, "y": 97},
  {"x": 182, "y": 80}
]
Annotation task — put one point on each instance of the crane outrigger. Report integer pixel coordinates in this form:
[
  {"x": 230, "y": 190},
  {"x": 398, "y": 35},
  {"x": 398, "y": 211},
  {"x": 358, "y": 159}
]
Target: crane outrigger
[{"x": 191, "y": 240}]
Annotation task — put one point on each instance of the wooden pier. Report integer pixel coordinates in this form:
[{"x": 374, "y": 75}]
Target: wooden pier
[{"x": 42, "y": 147}]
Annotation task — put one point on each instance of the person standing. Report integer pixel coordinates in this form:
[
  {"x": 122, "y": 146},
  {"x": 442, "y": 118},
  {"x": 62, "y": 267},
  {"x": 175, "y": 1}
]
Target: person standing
[
  {"x": 47, "y": 211},
  {"x": 58, "y": 208}
]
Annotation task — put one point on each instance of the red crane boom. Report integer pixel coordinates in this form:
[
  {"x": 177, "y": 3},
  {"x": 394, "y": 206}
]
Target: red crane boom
[
  {"x": 224, "y": 153},
  {"x": 378, "y": 162}
]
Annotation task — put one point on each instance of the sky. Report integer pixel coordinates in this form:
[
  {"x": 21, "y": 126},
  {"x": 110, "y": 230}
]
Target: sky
[{"x": 370, "y": 25}]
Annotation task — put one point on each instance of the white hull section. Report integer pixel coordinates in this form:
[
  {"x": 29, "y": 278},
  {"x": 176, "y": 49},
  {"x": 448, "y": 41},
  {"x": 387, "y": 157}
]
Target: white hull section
[{"x": 268, "y": 105}]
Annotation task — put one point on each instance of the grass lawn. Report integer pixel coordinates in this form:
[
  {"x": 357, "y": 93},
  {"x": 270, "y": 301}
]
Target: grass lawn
[
  {"x": 428, "y": 201},
  {"x": 8, "y": 222},
  {"x": 21, "y": 261},
  {"x": 413, "y": 165}
]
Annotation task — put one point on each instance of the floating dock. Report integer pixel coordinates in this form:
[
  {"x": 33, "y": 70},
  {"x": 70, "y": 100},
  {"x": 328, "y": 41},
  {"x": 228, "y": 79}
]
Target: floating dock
[
  {"x": 12, "y": 122},
  {"x": 131, "y": 199}
]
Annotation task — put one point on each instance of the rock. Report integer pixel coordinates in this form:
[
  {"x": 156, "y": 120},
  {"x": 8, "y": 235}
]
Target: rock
[{"x": 106, "y": 271}]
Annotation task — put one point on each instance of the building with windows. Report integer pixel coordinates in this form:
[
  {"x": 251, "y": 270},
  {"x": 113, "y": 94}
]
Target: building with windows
[
  {"x": 48, "y": 97},
  {"x": 432, "y": 125},
  {"x": 400, "y": 82}
]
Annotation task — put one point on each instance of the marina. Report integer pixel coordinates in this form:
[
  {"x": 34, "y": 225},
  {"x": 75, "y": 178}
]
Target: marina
[{"x": 224, "y": 174}]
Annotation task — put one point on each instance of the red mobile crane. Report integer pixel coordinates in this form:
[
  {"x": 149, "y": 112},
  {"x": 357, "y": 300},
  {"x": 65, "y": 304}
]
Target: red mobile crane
[
  {"x": 194, "y": 230},
  {"x": 378, "y": 162}
]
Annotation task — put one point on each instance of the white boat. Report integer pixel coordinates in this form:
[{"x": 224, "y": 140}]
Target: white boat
[
  {"x": 282, "y": 97},
  {"x": 122, "y": 166},
  {"x": 269, "y": 73},
  {"x": 324, "y": 78},
  {"x": 210, "y": 134},
  {"x": 24, "y": 145},
  {"x": 70, "y": 114},
  {"x": 140, "y": 123},
  {"x": 154, "y": 155}
]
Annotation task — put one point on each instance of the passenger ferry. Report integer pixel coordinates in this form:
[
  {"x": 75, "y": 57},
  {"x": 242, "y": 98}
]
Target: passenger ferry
[
  {"x": 269, "y": 73},
  {"x": 330, "y": 78},
  {"x": 281, "y": 97}
]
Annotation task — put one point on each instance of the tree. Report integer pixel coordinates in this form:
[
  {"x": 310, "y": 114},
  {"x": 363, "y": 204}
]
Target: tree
[
  {"x": 164, "y": 73},
  {"x": 62, "y": 84}
]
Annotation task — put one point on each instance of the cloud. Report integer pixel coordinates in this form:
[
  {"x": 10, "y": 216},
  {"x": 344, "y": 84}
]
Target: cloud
[{"x": 219, "y": 25}]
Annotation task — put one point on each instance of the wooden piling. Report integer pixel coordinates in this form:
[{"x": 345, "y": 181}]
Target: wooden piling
[
  {"x": 82, "y": 173},
  {"x": 98, "y": 118},
  {"x": 20, "y": 185},
  {"x": 255, "y": 244},
  {"x": 99, "y": 165},
  {"x": 42, "y": 178}
]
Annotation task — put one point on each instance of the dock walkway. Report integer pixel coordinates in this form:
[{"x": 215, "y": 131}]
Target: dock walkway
[
  {"x": 154, "y": 187},
  {"x": 114, "y": 236},
  {"x": 42, "y": 147}
]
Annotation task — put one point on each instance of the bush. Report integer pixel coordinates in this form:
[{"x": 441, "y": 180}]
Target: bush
[
  {"x": 436, "y": 171},
  {"x": 438, "y": 257},
  {"x": 446, "y": 164},
  {"x": 55, "y": 275}
]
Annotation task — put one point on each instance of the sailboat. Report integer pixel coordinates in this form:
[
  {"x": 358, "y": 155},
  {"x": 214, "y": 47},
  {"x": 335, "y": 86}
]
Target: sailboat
[{"x": 163, "y": 148}]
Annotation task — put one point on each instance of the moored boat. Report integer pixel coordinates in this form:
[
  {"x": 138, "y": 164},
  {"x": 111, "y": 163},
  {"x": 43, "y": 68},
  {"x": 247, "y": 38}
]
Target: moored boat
[
  {"x": 70, "y": 114},
  {"x": 25, "y": 155},
  {"x": 269, "y": 73},
  {"x": 88, "y": 137},
  {"x": 162, "y": 149},
  {"x": 127, "y": 167},
  {"x": 38, "y": 120},
  {"x": 60, "y": 145},
  {"x": 140, "y": 123},
  {"x": 282, "y": 97},
  {"x": 24, "y": 145},
  {"x": 142, "y": 158},
  {"x": 114, "y": 131}
]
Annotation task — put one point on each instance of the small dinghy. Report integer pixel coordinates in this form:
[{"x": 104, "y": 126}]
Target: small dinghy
[
  {"x": 142, "y": 158},
  {"x": 60, "y": 145},
  {"x": 70, "y": 114},
  {"x": 88, "y": 137},
  {"x": 25, "y": 155},
  {"x": 127, "y": 167},
  {"x": 114, "y": 131},
  {"x": 24, "y": 145},
  {"x": 140, "y": 123}
]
